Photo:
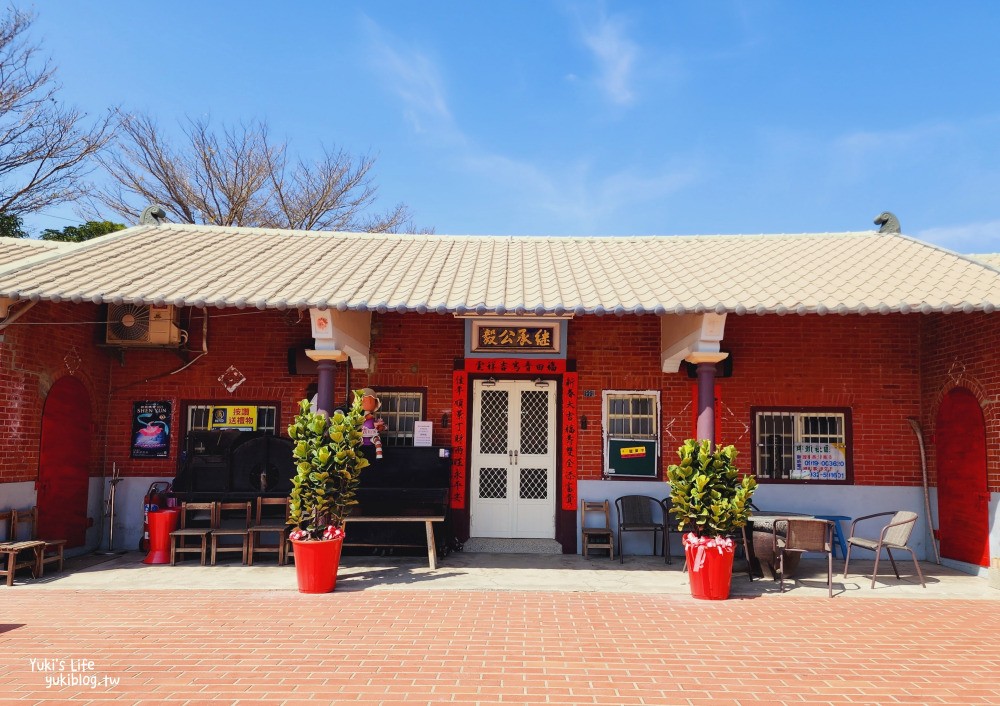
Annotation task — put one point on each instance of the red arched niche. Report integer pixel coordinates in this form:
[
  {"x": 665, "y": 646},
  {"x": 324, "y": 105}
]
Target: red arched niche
[
  {"x": 64, "y": 459},
  {"x": 963, "y": 500}
]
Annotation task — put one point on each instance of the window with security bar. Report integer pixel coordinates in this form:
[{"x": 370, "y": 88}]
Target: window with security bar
[
  {"x": 400, "y": 409},
  {"x": 803, "y": 445},
  {"x": 199, "y": 416},
  {"x": 631, "y": 432}
]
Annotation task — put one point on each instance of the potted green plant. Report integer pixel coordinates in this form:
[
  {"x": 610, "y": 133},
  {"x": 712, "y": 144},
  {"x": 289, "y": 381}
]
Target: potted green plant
[
  {"x": 709, "y": 495},
  {"x": 328, "y": 470}
]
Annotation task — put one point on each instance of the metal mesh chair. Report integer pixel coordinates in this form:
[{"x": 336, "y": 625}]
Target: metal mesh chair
[
  {"x": 894, "y": 535},
  {"x": 641, "y": 513},
  {"x": 673, "y": 527},
  {"x": 802, "y": 535}
]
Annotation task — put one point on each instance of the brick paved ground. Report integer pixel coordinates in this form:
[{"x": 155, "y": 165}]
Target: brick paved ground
[{"x": 470, "y": 647}]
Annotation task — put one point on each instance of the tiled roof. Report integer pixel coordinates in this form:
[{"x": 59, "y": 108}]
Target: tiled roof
[
  {"x": 992, "y": 259},
  {"x": 188, "y": 265},
  {"x": 17, "y": 252}
]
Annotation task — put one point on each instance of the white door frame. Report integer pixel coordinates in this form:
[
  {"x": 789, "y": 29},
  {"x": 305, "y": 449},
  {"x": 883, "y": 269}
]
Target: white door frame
[{"x": 513, "y": 471}]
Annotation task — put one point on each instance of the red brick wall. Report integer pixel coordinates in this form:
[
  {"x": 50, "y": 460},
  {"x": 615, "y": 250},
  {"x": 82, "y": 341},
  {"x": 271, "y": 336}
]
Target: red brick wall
[
  {"x": 418, "y": 350},
  {"x": 50, "y": 341},
  {"x": 870, "y": 364},
  {"x": 960, "y": 350},
  {"x": 410, "y": 351}
]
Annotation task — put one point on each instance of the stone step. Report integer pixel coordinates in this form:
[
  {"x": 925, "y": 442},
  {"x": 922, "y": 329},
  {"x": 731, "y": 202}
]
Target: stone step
[{"x": 500, "y": 545}]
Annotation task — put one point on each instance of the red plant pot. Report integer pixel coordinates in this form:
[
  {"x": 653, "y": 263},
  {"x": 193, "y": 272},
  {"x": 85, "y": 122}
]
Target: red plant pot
[
  {"x": 710, "y": 571},
  {"x": 316, "y": 564},
  {"x": 161, "y": 524}
]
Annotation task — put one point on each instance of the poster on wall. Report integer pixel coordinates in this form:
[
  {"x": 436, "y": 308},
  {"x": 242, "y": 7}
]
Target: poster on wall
[
  {"x": 150, "y": 429},
  {"x": 423, "y": 433},
  {"x": 820, "y": 462}
]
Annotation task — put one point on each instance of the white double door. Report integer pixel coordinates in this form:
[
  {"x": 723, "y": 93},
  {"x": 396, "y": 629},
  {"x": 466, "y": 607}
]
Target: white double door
[{"x": 513, "y": 459}]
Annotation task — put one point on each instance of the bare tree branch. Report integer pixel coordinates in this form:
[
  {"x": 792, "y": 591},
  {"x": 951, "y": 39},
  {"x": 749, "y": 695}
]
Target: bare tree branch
[
  {"x": 45, "y": 149},
  {"x": 239, "y": 176}
]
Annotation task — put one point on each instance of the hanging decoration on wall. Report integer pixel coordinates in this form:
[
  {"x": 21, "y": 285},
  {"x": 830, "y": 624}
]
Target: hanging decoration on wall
[
  {"x": 733, "y": 421},
  {"x": 151, "y": 429},
  {"x": 956, "y": 372},
  {"x": 232, "y": 378},
  {"x": 72, "y": 361},
  {"x": 668, "y": 428}
]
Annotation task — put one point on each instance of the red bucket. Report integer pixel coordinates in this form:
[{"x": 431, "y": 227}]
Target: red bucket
[
  {"x": 710, "y": 571},
  {"x": 316, "y": 564}
]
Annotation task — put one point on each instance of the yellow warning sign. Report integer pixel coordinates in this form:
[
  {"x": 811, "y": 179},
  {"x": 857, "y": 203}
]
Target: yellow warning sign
[{"x": 633, "y": 452}]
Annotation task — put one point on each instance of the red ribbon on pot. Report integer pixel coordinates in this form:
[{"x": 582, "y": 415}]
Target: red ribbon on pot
[{"x": 703, "y": 544}]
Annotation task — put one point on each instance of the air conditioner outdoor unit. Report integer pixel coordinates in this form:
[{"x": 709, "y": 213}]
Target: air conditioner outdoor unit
[{"x": 138, "y": 325}]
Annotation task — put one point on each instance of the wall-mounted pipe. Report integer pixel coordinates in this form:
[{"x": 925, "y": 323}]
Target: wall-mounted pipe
[
  {"x": 927, "y": 496},
  {"x": 204, "y": 344},
  {"x": 11, "y": 318}
]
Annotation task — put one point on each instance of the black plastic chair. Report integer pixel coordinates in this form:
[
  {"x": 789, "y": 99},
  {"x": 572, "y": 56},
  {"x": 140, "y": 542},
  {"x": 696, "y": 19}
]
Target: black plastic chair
[
  {"x": 673, "y": 527},
  {"x": 641, "y": 513}
]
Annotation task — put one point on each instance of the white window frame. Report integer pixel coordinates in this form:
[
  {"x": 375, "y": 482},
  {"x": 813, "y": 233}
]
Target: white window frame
[
  {"x": 654, "y": 419},
  {"x": 794, "y": 433}
]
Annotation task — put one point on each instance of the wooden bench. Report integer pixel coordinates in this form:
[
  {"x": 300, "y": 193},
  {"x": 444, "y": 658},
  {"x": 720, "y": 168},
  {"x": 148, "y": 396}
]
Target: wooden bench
[
  {"x": 12, "y": 549},
  {"x": 16, "y": 555},
  {"x": 428, "y": 524},
  {"x": 53, "y": 553}
]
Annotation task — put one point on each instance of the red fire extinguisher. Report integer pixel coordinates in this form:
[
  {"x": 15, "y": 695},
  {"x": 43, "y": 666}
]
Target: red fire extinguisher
[{"x": 156, "y": 497}]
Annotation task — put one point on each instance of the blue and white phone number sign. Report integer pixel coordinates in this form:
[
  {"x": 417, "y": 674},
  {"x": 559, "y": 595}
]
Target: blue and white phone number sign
[{"x": 820, "y": 462}]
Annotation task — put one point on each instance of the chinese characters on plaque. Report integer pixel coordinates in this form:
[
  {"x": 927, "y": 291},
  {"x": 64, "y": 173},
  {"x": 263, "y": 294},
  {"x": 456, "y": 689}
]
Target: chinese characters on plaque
[{"x": 538, "y": 339}]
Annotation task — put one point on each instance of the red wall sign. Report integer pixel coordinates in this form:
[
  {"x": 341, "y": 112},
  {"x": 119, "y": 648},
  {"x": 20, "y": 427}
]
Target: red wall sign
[
  {"x": 569, "y": 439},
  {"x": 459, "y": 425}
]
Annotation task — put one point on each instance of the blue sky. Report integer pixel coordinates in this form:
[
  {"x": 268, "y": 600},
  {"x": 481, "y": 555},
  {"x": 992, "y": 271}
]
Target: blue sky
[{"x": 588, "y": 118}]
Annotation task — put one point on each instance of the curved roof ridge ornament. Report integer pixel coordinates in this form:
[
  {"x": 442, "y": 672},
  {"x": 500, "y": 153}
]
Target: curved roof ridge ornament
[
  {"x": 153, "y": 215},
  {"x": 888, "y": 222}
]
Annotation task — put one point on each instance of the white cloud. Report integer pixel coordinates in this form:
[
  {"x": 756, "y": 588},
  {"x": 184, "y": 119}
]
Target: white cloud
[
  {"x": 568, "y": 197},
  {"x": 978, "y": 238},
  {"x": 615, "y": 55},
  {"x": 572, "y": 198},
  {"x": 413, "y": 76},
  {"x": 857, "y": 153}
]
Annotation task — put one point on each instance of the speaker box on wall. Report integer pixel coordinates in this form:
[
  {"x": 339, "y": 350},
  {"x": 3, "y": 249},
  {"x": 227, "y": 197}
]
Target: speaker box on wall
[{"x": 300, "y": 364}]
